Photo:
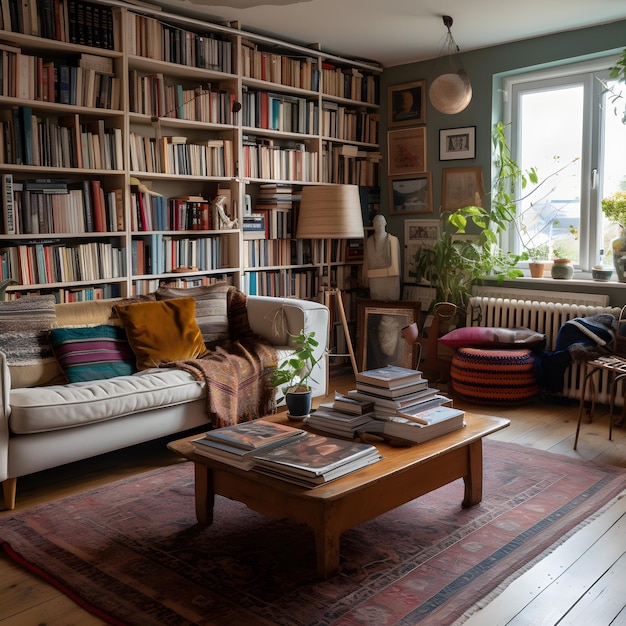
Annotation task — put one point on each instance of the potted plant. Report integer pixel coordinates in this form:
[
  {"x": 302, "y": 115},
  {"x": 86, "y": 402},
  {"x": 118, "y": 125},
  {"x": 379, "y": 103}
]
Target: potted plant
[
  {"x": 293, "y": 374},
  {"x": 614, "y": 208}
]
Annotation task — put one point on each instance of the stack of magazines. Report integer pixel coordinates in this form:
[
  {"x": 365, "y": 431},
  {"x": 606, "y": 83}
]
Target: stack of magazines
[{"x": 343, "y": 417}]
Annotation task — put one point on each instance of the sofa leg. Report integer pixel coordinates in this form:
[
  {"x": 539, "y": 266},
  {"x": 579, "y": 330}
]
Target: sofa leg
[{"x": 9, "y": 490}]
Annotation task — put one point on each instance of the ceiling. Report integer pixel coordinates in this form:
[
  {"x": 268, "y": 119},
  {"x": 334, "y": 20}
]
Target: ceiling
[{"x": 393, "y": 32}]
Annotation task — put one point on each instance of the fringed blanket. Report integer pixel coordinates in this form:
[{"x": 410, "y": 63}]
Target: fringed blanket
[{"x": 237, "y": 373}]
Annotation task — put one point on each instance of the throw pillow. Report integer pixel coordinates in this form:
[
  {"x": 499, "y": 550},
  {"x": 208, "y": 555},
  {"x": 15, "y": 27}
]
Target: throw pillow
[
  {"x": 93, "y": 352},
  {"x": 162, "y": 331},
  {"x": 211, "y": 308},
  {"x": 476, "y": 336},
  {"x": 24, "y": 327}
]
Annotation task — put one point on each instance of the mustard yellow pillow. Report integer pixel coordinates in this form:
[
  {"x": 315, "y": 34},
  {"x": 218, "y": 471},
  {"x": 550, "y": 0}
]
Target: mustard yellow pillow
[{"x": 162, "y": 331}]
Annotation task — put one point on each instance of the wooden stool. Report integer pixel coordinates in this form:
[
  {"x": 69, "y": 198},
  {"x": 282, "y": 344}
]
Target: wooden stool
[{"x": 616, "y": 366}]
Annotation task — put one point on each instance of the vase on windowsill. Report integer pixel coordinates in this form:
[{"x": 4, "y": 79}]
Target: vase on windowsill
[
  {"x": 618, "y": 245},
  {"x": 562, "y": 269}
]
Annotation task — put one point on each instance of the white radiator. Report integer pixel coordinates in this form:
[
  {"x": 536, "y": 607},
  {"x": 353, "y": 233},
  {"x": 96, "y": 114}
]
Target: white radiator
[{"x": 546, "y": 318}]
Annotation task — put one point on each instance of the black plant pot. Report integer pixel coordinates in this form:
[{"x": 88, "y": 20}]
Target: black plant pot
[{"x": 298, "y": 404}]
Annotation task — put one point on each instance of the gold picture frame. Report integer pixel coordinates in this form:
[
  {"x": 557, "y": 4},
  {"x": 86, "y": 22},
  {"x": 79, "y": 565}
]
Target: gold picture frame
[
  {"x": 406, "y": 151},
  {"x": 461, "y": 187},
  {"x": 406, "y": 104},
  {"x": 380, "y": 341}
]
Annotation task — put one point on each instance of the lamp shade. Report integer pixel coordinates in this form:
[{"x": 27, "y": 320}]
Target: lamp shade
[{"x": 330, "y": 212}]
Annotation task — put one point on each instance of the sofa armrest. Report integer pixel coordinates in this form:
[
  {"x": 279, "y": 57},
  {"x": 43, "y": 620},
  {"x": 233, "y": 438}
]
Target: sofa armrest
[
  {"x": 5, "y": 411},
  {"x": 276, "y": 319}
]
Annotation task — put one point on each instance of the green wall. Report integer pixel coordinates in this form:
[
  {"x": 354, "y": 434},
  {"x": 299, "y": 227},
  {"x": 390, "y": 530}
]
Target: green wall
[{"x": 485, "y": 68}]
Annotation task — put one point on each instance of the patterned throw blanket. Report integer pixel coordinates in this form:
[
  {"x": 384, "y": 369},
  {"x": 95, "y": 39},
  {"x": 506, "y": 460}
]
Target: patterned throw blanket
[{"x": 237, "y": 373}]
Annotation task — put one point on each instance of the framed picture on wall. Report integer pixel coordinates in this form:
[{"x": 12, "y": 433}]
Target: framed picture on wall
[
  {"x": 417, "y": 233},
  {"x": 457, "y": 143},
  {"x": 406, "y": 151},
  {"x": 380, "y": 342},
  {"x": 406, "y": 104},
  {"x": 461, "y": 187},
  {"x": 411, "y": 193}
]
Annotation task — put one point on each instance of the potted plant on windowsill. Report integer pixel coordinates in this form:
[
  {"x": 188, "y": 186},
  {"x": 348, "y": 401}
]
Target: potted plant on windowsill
[
  {"x": 614, "y": 208},
  {"x": 292, "y": 375}
]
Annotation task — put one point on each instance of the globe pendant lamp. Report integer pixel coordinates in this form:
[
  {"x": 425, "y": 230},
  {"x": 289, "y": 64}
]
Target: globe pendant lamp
[{"x": 451, "y": 91}]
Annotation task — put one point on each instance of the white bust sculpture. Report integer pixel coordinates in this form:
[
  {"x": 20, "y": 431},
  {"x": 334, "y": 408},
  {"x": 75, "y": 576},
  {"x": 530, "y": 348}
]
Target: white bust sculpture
[{"x": 382, "y": 262}]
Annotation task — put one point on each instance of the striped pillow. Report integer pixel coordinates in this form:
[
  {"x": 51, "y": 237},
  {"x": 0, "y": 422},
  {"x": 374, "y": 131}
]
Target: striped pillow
[{"x": 92, "y": 353}]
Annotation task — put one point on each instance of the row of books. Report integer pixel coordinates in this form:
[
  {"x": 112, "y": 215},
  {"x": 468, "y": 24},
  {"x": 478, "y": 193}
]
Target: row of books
[
  {"x": 50, "y": 262},
  {"x": 342, "y": 122},
  {"x": 72, "y": 21},
  {"x": 152, "y": 95},
  {"x": 146, "y": 286},
  {"x": 151, "y": 38},
  {"x": 58, "y": 142},
  {"x": 346, "y": 164},
  {"x": 174, "y": 155},
  {"x": 32, "y": 207},
  {"x": 74, "y": 294},
  {"x": 268, "y": 252},
  {"x": 350, "y": 83},
  {"x": 269, "y": 224},
  {"x": 159, "y": 254},
  {"x": 293, "y": 71},
  {"x": 273, "y": 111},
  {"x": 287, "y": 453},
  {"x": 282, "y": 283}
]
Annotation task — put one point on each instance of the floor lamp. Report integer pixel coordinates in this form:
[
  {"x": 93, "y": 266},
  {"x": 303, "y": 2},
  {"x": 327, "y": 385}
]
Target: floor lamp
[{"x": 332, "y": 212}]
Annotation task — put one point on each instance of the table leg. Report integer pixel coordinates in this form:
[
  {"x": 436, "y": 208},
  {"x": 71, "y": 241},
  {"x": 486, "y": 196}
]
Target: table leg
[
  {"x": 205, "y": 495},
  {"x": 326, "y": 549},
  {"x": 474, "y": 477}
]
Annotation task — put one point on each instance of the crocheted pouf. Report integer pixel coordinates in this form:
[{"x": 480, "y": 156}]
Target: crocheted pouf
[{"x": 494, "y": 376}]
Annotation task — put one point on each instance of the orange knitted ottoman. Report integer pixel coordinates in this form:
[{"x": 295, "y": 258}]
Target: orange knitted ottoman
[{"x": 494, "y": 376}]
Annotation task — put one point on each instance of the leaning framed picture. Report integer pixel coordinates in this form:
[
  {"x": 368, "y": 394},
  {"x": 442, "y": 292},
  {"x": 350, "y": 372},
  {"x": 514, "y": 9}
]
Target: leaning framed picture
[
  {"x": 411, "y": 193},
  {"x": 457, "y": 143},
  {"x": 462, "y": 186},
  {"x": 417, "y": 234},
  {"x": 380, "y": 341},
  {"x": 406, "y": 150},
  {"x": 406, "y": 104}
]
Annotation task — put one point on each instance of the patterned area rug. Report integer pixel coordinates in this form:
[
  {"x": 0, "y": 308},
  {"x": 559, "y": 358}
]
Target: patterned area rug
[{"x": 133, "y": 551}]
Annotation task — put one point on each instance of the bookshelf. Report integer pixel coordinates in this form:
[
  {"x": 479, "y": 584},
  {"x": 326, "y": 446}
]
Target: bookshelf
[{"x": 123, "y": 125}]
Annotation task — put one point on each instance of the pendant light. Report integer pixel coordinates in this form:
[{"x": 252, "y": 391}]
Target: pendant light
[{"x": 451, "y": 91}]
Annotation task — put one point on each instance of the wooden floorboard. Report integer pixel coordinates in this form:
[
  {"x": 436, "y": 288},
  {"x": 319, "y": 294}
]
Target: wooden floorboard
[{"x": 580, "y": 583}]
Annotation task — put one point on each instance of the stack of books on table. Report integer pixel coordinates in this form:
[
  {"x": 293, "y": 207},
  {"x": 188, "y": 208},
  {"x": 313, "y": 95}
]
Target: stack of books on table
[
  {"x": 343, "y": 417},
  {"x": 315, "y": 460},
  {"x": 393, "y": 388},
  {"x": 236, "y": 445}
]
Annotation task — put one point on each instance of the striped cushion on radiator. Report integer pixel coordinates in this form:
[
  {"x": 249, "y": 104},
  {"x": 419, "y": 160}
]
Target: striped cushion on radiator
[{"x": 492, "y": 376}]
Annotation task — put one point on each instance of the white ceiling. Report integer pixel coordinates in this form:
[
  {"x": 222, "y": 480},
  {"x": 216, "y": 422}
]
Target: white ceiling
[{"x": 393, "y": 32}]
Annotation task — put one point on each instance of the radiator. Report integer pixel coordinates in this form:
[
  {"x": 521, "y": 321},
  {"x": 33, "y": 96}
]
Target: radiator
[{"x": 546, "y": 318}]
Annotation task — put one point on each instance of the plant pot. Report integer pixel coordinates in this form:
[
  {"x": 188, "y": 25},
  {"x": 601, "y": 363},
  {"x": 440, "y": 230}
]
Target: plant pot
[
  {"x": 618, "y": 245},
  {"x": 562, "y": 269},
  {"x": 536, "y": 268},
  {"x": 298, "y": 404}
]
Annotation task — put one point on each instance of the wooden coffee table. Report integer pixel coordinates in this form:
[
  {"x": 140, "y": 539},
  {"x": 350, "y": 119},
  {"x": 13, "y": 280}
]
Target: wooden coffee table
[{"x": 401, "y": 476}]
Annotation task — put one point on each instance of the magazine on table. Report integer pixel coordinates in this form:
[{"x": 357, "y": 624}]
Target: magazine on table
[{"x": 252, "y": 435}]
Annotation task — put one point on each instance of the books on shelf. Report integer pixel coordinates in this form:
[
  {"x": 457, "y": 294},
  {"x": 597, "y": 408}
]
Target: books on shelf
[
  {"x": 445, "y": 419},
  {"x": 315, "y": 460},
  {"x": 390, "y": 376}
]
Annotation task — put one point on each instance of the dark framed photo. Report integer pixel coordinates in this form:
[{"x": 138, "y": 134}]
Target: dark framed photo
[
  {"x": 406, "y": 150},
  {"x": 410, "y": 194},
  {"x": 462, "y": 186},
  {"x": 406, "y": 104},
  {"x": 380, "y": 341},
  {"x": 457, "y": 143}
]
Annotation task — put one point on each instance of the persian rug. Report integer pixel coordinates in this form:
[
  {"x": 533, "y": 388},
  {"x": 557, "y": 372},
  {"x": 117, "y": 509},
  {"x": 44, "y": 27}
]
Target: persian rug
[{"x": 132, "y": 550}]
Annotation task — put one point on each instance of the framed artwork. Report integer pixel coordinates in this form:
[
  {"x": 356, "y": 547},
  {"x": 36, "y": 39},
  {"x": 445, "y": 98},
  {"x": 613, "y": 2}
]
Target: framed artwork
[
  {"x": 406, "y": 150},
  {"x": 457, "y": 143},
  {"x": 462, "y": 186},
  {"x": 380, "y": 341},
  {"x": 417, "y": 233},
  {"x": 406, "y": 104},
  {"x": 411, "y": 193}
]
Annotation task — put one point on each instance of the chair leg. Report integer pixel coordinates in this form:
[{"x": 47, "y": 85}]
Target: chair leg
[
  {"x": 581, "y": 407},
  {"x": 9, "y": 491}
]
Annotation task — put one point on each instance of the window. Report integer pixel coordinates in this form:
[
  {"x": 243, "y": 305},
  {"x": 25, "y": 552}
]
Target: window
[{"x": 563, "y": 124}]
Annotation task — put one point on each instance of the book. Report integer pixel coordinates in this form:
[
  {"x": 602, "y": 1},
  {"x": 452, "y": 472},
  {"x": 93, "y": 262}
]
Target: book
[
  {"x": 410, "y": 431},
  {"x": 396, "y": 392},
  {"x": 8, "y": 204},
  {"x": 355, "y": 406},
  {"x": 394, "y": 403},
  {"x": 315, "y": 459},
  {"x": 252, "y": 435},
  {"x": 432, "y": 415},
  {"x": 390, "y": 376},
  {"x": 421, "y": 405}
]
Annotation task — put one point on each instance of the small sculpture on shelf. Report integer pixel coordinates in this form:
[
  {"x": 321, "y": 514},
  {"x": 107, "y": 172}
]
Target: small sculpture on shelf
[
  {"x": 382, "y": 262},
  {"x": 218, "y": 205}
]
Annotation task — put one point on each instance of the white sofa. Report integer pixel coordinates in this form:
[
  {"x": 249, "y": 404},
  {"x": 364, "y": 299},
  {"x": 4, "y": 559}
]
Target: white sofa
[{"x": 47, "y": 426}]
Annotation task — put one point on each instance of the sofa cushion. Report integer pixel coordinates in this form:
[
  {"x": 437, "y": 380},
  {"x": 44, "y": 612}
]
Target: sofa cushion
[
  {"x": 24, "y": 327},
  {"x": 162, "y": 331},
  {"x": 94, "y": 312},
  {"x": 75, "y": 404},
  {"x": 92, "y": 352},
  {"x": 211, "y": 308}
]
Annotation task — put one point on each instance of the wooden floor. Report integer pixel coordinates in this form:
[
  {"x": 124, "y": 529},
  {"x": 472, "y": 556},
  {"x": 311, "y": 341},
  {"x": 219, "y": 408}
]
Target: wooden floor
[{"x": 581, "y": 583}]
